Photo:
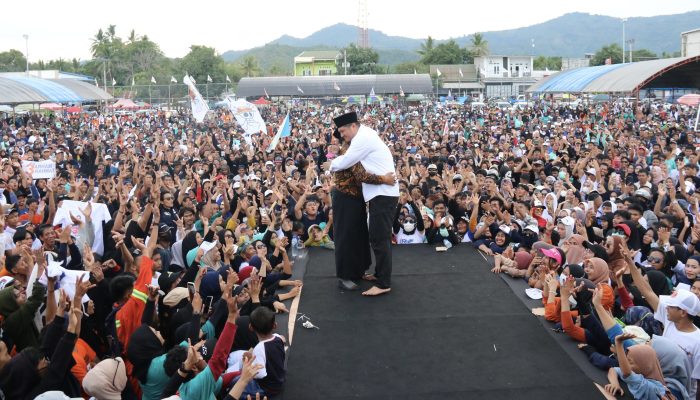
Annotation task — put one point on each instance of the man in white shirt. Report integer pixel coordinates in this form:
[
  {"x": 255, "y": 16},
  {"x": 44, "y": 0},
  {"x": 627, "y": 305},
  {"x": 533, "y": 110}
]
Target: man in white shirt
[{"x": 368, "y": 148}]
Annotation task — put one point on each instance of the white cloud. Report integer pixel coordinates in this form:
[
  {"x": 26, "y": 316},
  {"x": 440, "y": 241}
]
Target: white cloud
[{"x": 65, "y": 30}]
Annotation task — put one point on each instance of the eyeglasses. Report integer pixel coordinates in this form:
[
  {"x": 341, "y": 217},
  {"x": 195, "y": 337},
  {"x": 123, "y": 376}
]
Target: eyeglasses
[{"x": 654, "y": 259}]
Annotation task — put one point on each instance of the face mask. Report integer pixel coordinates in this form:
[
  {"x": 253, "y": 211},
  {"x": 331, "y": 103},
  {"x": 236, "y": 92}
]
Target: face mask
[
  {"x": 409, "y": 226},
  {"x": 562, "y": 174},
  {"x": 432, "y": 173},
  {"x": 443, "y": 232}
]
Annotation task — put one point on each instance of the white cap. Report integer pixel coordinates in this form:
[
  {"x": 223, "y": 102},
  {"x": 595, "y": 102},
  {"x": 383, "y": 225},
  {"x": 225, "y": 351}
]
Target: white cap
[
  {"x": 432, "y": 166},
  {"x": 682, "y": 299},
  {"x": 236, "y": 184},
  {"x": 206, "y": 246},
  {"x": 590, "y": 171},
  {"x": 268, "y": 192}
]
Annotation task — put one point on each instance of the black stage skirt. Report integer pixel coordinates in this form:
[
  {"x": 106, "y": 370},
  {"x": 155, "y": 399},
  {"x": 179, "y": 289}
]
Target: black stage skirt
[{"x": 351, "y": 236}]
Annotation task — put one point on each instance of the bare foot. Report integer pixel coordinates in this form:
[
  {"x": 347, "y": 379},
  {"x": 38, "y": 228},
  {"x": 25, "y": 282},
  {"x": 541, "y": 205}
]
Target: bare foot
[
  {"x": 369, "y": 277},
  {"x": 375, "y": 291}
]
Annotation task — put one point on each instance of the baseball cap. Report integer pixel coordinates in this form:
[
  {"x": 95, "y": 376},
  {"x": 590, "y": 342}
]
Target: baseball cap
[
  {"x": 552, "y": 253},
  {"x": 682, "y": 299},
  {"x": 268, "y": 192},
  {"x": 624, "y": 228},
  {"x": 432, "y": 166},
  {"x": 166, "y": 280}
]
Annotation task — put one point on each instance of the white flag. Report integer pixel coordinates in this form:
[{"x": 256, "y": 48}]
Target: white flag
[
  {"x": 415, "y": 72},
  {"x": 335, "y": 86},
  {"x": 132, "y": 81},
  {"x": 401, "y": 93},
  {"x": 114, "y": 82},
  {"x": 228, "y": 79},
  {"x": 192, "y": 79},
  {"x": 248, "y": 117},
  {"x": 437, "y": 70},
  {"x": 96, "y": 83},
  {"x": 153, "y": 79},
  {"x": 267, "y": 95},
  {"x": 172, "y": 79},
  {"x": 460, "y": 73},
  {"x": 449, "y": 93},
  {"x": 209, "y": 78},
  {"x": 299, "y": 89},
  {"x": 199, "y": 106},
  {"x": 371, "y": 93}
]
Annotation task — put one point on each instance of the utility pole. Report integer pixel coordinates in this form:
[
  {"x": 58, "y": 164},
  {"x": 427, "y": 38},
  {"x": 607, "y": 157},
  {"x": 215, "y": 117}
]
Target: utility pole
[
  {"x": 26, "y": 48},
  {"x": 630, "y": 42},
  {"x": 623, "y": 39}
]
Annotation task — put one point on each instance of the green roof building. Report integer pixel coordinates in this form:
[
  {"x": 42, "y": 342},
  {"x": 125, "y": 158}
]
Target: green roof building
[{"x": 316, "y": 63}]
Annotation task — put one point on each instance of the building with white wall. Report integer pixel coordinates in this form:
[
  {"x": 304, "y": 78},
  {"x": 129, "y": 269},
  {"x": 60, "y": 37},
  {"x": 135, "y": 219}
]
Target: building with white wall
[
  {"x": 505, "y": 76},
  {"x": 690, "y": 43}
]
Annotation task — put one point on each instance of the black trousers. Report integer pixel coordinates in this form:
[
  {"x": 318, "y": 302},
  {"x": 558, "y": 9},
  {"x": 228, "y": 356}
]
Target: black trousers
[
  {"x": 381, "y": 218},
  {"x": 350, "y": 235}
]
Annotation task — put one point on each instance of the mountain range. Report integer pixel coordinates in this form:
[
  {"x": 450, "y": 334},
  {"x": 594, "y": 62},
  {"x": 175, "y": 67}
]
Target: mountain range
[{"x": 571, "y": 35}]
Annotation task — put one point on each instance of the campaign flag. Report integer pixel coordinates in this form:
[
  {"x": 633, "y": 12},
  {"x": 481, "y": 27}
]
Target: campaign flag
[
  {"x": 114, "y": 81},
  {"x": 228, "y": 79},
  {"x": 247, "y": 116},
  {"x": 96, "y": 83},
  {"x": 199, "y": 106},
  {"x": 415, "y": 72},
  {"x": 172, "y": 79},
  {"x": 437, "y": 70},
  {"x": 401, "y": 93},
  {"x": 132, "y": 81},
  {"x": 284, "y": 130},
  {"x": 299, "y": 89},
  {"x": 39, "y": 169},
  {"x": 371, "y": 93},
  {"x": 335, "y": 86},
  {"x": 446, "y": 129},
  {"x": 209, "y": 79},
  {"x": 267, "y": 95},
  {"x": 461, "y": 74},
  {"x": 153, "y": 80}
]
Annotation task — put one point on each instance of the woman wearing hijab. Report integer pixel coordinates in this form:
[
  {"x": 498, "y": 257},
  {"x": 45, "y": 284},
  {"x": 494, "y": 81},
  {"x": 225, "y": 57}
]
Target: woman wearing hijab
[
  {"x": 573, "y": 247},
  {"x": 565, "y": 227},
  {"x": 640, "y": 370},
  {"x": 616, "y": 260},
  {"x": 675, "y": 365}
]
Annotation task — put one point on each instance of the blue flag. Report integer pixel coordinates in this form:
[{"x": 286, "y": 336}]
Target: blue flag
[{"x": 284, "y": 130}]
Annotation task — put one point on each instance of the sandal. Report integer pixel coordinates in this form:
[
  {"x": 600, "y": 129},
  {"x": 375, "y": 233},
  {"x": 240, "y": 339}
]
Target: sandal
[{"x": 369, "y": 277}]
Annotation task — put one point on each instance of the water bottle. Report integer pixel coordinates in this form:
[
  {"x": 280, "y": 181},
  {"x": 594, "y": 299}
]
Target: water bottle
[
  {"x": 300, "y": 248},
  {"x": 447, "y": 243},
  {"x": 295, "y": 241}
]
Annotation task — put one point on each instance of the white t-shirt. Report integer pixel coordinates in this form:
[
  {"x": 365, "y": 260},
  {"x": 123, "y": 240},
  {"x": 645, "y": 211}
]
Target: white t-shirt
[
  {"x": 689, "y": 342},
  {"x": 414, "y": 238}
]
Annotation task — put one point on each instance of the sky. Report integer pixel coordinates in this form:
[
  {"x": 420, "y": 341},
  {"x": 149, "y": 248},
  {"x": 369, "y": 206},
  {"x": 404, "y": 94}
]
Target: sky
[{"x": 65, "y": 29}]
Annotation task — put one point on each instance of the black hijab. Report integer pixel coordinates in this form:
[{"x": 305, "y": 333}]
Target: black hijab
[
  {"x": 188, "y": 243},
  {"x": 143, "y": 347}
]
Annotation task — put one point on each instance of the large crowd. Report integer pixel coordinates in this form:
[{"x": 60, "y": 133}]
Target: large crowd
[{"x": 153, "y": 263}]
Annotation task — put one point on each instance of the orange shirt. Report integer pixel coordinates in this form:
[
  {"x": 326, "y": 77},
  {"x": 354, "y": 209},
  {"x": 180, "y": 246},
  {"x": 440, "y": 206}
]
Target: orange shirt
[
  {"x": 128, "y": 318},
  {"x": 83, "y": 355}
]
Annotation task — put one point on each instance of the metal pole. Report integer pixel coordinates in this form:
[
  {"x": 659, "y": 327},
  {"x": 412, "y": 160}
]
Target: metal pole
[
  {"x": 623, "y": 39},
  {"x": 26, "y": 47},
  {"x": 150, "y": 98},
  {"x": 169, "y": 100},
  {"x": 696, "y": 119},
  {"x": 345, "y": 61}
]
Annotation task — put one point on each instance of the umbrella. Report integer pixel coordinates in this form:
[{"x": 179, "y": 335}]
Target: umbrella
[
  {"x": 50, "y": 106},
  {"x": 691, "y": 100}
]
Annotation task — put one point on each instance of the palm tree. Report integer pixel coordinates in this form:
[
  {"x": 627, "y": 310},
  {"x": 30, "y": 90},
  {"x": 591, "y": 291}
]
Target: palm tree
[
  {"x": 132, "y": 36},
  {"x": 427, "y": 47},
  {"x": 249, "y": 66},
  {"x": 480, "y": 47},
  {"x": 97, "y": 42}
]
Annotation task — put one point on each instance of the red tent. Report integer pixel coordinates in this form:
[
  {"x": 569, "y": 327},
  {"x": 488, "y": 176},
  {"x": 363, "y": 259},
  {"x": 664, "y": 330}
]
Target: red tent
[
  {"x": 690, "y": 100},
  {"x": 50, "y": 106},
  {"x": 261, "y": 102},
  {"x": 125, "y": 104},
  {"x": 74, "y": 109}
]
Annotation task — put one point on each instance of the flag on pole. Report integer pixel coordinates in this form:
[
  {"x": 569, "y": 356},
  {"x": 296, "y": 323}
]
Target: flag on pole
[
  {"x": 446, "y": 129},
  {"x": 449, "y": 93},
  {"x": 267, "y": 95},
  {"x": 96, "y": 83},
  {"x": 335, "y": 86},
  {"x": 371, "y": 93},
  {"x": 209, "y": 79},
  {"x": 132, "y": 81},
  {"x": 299, "y": 89},
  {"x": 461, "y": 74},
  {"x": 608, "y": 61},
  {"x": 248, "y": 117},
  {"x": 153, "y": 79},
  {"x": 114, "y": 82},
  {"x": 401, "y": 93},
  {"x": 228, "y": 79},
  {"x": 415, "y": 72},
  {"x": 199, "y": 106},
  {"x": 192, "y": 79},
  {"x": 172, "y": 79},
  {"x": 284, "y": 130},
  {"x": 437, "y": 70}
]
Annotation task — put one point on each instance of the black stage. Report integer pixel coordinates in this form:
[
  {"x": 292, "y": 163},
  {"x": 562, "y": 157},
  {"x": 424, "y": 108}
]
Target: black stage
[{"x": 450, "y": 329}]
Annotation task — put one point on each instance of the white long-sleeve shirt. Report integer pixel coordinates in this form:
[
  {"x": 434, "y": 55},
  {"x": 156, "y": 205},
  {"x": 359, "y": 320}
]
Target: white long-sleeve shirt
[{"x": 366, "y": 147}]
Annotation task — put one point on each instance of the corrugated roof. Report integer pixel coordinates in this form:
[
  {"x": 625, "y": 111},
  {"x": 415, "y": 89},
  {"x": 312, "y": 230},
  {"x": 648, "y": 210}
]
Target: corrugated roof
[
  {"x": 622, "y": 78},
  {"x": 323, "y": 86},
  {"x": 20, "y": 90},
  {"x": 450, "y": 72},
  {"x": 320, "y": 54}
]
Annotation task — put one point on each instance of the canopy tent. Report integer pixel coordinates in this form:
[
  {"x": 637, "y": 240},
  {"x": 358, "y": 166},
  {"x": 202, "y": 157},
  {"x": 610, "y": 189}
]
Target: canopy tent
[
  {"x": 125, "y": 104},
  {"x": 27, "y": 90},
  {"x": 680, "y": 72},
  {"x": 74, "y": 109},
  {"x": 689, "y": 100},
  {"x": 261, "y": 102},
  {"x": 51, "y": 106}
]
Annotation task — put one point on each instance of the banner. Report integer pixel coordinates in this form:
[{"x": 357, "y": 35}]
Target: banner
[
  {"x": 40, "y": 169},
  {"x": 247, "y": 116},
  {"x": 100, "y": 214},
  {"x": 284, "y": 130},
  {"x": 199, "y": 106}
]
